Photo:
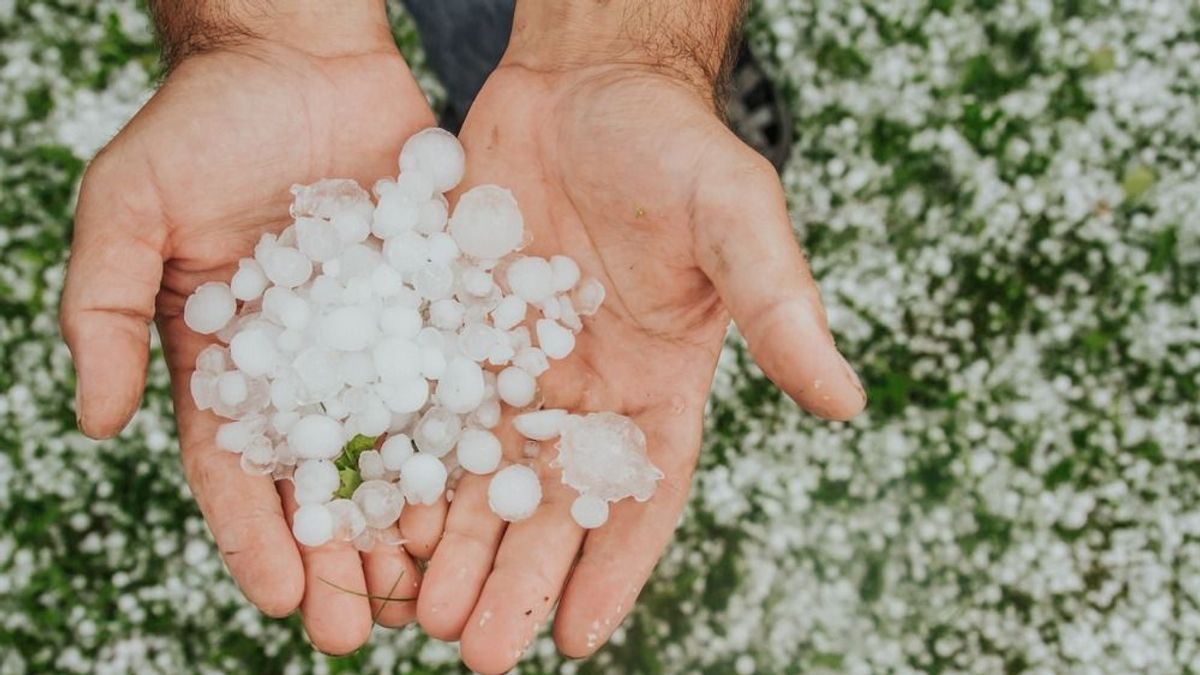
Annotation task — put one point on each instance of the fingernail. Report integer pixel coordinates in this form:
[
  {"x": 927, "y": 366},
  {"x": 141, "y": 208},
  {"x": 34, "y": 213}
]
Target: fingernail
[
  {"x": 854, "y": 378},
  {"x": 78, "y": 405}
]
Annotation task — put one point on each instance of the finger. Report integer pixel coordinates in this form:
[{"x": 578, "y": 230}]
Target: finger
[
  {"x": 531, "y": 566},
  {"x": 421, "y": 526},
  {"x": 619, "y": 556},
  {"x": 461, "y": 563},
  {"x": 335, "y": 609},
  {"x": 243, "y": 511},
  {"x": 746, "y": 247},
  {"x": 392, "y": 575},
  {"x": 108, "y": 300}
]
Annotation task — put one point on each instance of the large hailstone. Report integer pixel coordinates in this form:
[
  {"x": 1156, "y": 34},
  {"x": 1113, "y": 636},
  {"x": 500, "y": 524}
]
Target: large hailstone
[
  {"x": 604, "y": 455},
  {"x": 514, "y": 493},
  {"x": 487, "y": 223},
  {"x": 437, "y": 154}
]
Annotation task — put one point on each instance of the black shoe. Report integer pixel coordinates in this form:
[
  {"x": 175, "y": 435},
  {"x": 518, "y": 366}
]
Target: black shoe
[{"x": 756, "y": 110}]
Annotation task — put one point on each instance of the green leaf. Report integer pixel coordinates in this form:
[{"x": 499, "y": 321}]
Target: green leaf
[{"x": 350, "y": 482}]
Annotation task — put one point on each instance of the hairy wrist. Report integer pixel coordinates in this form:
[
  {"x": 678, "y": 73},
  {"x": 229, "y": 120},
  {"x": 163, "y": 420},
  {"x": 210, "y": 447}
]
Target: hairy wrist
[
  {"x": 692, "y": 40},
  {"x": 191, "y": 27}
]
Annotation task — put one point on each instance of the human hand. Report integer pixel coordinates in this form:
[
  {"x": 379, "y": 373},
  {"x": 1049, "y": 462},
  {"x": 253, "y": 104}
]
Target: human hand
[
  {"x": 625, "y": 167},
  {"x": 182, "y": 193}
]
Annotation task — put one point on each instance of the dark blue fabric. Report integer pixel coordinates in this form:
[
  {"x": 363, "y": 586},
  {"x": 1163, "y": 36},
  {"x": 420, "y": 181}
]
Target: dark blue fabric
[{"x": 463, "y": 40}]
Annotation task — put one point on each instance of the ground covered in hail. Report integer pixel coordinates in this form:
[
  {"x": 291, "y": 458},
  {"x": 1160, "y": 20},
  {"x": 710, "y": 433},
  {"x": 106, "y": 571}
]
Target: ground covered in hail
[{"x": 1000, "y": 199}]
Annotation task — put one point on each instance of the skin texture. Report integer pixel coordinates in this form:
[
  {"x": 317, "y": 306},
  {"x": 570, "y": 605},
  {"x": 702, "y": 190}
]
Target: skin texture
[
  {"x": 628, "y": 170},
  {"x": 175, "y": 200}
]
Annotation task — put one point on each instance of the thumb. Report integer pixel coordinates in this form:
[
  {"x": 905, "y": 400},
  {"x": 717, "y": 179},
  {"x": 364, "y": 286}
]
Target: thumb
[
  {"x": 109, "y": 296},
  {"x": 746, "y": 247}
]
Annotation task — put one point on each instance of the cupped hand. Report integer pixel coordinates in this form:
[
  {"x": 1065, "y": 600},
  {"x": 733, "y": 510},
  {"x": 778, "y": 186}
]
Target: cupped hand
[
  {"x": 182, "y": 193},
  {"x": 628, "y": 170}
]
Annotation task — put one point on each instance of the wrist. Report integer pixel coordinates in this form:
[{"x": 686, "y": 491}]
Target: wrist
[
  {"x": 316, "y": 27},
  {"x": 690, "y": 40}
]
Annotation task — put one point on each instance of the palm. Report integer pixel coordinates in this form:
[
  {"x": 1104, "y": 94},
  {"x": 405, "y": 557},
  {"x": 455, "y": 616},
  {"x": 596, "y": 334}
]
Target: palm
[
  {"x": 628, "y": 172},
  {"x": 199, "y": 174}
]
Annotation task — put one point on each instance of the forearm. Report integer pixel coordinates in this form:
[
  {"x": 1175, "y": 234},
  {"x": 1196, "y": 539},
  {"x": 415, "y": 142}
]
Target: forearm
[
  {"x": 322, "y": 27},
  {"x": 695, "y": 39}
]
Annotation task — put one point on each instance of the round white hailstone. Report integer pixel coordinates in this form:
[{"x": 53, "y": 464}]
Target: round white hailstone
[
  {"x": 555, "y": 340},
  {"x": 353, "y": 224},
  {"x": 460, "y": 388},
  {"x": 487, "y": 415},
  {"x": 284, "y": 306},
  {"x": 358, "y": 369},
  {"x": 509, "y": 313},
  {"x": 408, "y": 395},
  {"x": 349, "y": 521},
  {"x": 478, "y": 451},
  {"x": 477, "y": 340},
  {"x": 432, "y": 215},
  {"x": 588, "y": 296},
  {"x": 249, "y": 281},
  {"x": 316, "y": 437},
  {"x": 566, "y": 273},
  {"x": 437, "y": 431},
  {"x": 395, "y": 214},
  {"x": 317, "y": 239},
  {"x": 399, "y": 321},
  {"x": 209, "y": 308},
  {"x": 437, "y": 154},
  {"x": 550, "y": 308},
  {"x": 514, "y": 493},
  {"x": 318, "y": 371},
  {"x": 203, "y": 387},
  {"x": 374, "y": 419},
  {"x": 235, "y": 436},
  {"x": 477, "y": 282},
  {"x": 531, "y": 278},
  {"x": 531, "y": 360},
  {"x": 415, "y": 185},
  {"x": 589, "y": 512},
  {"x": 359, "y": 290},
  {"x": 516, "y": 387},
  {"x": 423, "y": 479},
  {"x": 315, "y": 481},
  {"x": 325, "y": 290},
  {"x": 541, "y": 425},
  {"x": 442, "y": 249},
  {"x": 213, "y": 359},
  {"x": 358, "y": 260},
  {"x": 520, "y": 338},
  {"x": 258, "y": 459},
  {"x": 486, "y": 223},
  {"x": 286, "y": 266},
  {"x": 501, "y": 354},
  {"x": 348, "y": 329},
  {"x": 253, "y": 352},
  {"x": 446, "y": 314},
  {"x": 370, "y": 465},
  {"x": 312, "y": 525},
  {"x": 434, "y": 281},
  {"x": 386, "y": 281},
  {"x": 380, "y": 501},
  {"x": 406, "y": 252},
  {"x": 290, "y": 341},
  {"x": 396, "y": 359},
  {"x": 232, "y": 387},
  {"x": 284, "y": 394},
  {"x": 395, "y": 451},
  {"x": 282, "y": 422},
  {"x": 567, "y": 315}
]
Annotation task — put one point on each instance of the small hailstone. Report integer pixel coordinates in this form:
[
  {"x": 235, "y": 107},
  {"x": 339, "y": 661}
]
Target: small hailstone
[
  {"x": 477, "y": 282},
  {"x": 286, "y": 266},
  {"x": 565, "y": 273},
  {"x": 604, "y": 455},
  {"x": 395, "y": 451},
  {"x": 235, "y": 436},
  {"x": 589, "y": 512},
  {"x": 434, "y": 281},
  {"x": 446, "y": 314},
  {"x": 400, "y": 321},
  {"x": 423, "y": 478},
  {"x": 327, "y": 198},
  {"x": 432, "y": 215},
  {"x": 556, "y": 341},
  {"x": 407, "y": 396},
  {"x": 317, "y": 370},
  {"x": 318, "y": 239},
  {"x": 209, "y": 308},
  {"x": 478, "y": 451},
  {"x": 486, "y": 223},
  {"x": 232, "y": 387},
  {"x": 541, "y": 425},
  {"x": 415, "y": 185},
  {"x": 370, "y": 465},
  {"x": 358, "y": 369},
  {"x": 531, "y": 278},
  {"x": 460, "y": 388},
  {"x": 348, "y": 329},
  {"x": 437, "y": 431},
  {"x": 380, "y": 501},
  {"x": 203, "y": 389},
  {"x": 567, "y": 315},
  {"x": 316, "y": 437},
  {"x": 253, "y": 352},
  {"x": 531, "y": 360},
  {"x": 285, "y": 307},
  {"x": 437, "y": 154},
  {"x": 406, "y": 252},
  {"x": 588, "y": 296},
  {"x": 281, "y": 422},
  {"x": 249, "y": 282},
  {"x": 477, "y": 340},
  {"x": 516, "y": 387},
  {"x": 315, "y": 481},
  {"x": 258, "y": 457},
  {"x": 213, "y": 359},
  {"x": 509, "y": 313},
  {"x": 514, "y": 493},
  {"x": 349, "y": 521},
  {"x": 313, "y": 525},
  {"x": 487, "y": 415},
  {"x": 442, "y": 248},
  {"x": 433, "y": 363},
  {"x": 395, "y": 214},
  {"x": 396, "y": 359},
  {"x": 550, "y": 308}
]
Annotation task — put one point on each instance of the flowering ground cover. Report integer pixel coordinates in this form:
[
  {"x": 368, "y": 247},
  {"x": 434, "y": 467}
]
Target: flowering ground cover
[{"x": 1000, "y": 199}]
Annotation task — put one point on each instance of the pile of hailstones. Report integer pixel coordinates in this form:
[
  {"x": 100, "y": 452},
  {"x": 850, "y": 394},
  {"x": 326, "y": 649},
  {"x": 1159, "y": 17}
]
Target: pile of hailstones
[{"x": 366, "y": 328}]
